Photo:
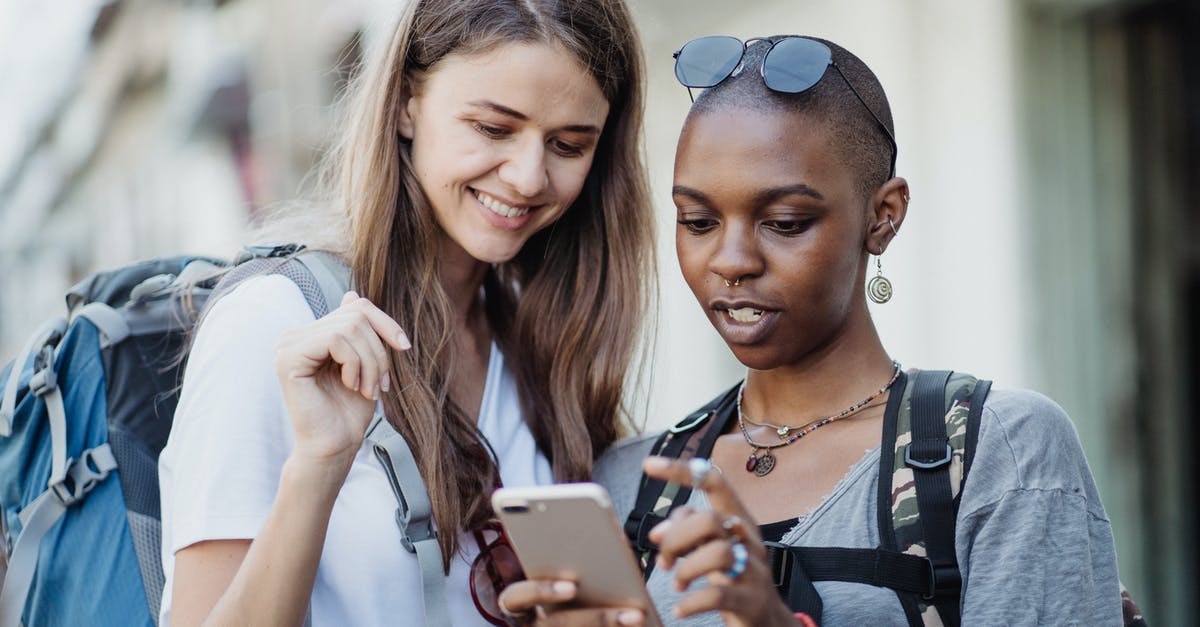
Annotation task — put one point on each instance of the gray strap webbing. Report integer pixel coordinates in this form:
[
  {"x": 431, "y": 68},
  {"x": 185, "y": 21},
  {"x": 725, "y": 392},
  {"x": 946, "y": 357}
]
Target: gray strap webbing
[
  {"x": 57, "y": 416},
  {"x": 112, "y": 327},
  {"x": 331, "y": 274},
  {"x": 37, "y": 519},
  {"x": 413, "y": 516},
  {"x": 8, "y": 402}
]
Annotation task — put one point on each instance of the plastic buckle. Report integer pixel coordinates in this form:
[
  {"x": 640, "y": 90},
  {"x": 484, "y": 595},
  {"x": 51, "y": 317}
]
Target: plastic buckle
[
  {"x": 82, "y": 476},
  {"x": 411, "y": 533},
  {"x": 779, "y": 560},
  {"x": 643, "y": 531},
  {"x": 44, "y": 379},
  {"x": 944, "y": 580},
  {"x": 689, "y": 425},
  {"x": 927, "y": 464}
]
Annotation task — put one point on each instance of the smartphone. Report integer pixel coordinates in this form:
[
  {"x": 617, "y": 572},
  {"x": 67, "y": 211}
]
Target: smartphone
[{"x": 570, "y": 531}]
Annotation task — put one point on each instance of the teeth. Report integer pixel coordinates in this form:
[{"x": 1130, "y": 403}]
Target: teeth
[
  {"x": 745, "y": 314},
  {"x": 500, "y": 208}
]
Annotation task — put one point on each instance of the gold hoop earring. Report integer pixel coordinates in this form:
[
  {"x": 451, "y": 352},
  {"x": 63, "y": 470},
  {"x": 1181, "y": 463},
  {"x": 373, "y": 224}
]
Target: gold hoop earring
[{"x": 879, "y": 289}]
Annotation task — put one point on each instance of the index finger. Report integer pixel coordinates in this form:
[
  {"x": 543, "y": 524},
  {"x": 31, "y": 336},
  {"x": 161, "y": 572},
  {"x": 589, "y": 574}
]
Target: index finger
[
  {"x": 714, "y": 484},
  {"x": 384, "y": 325}
]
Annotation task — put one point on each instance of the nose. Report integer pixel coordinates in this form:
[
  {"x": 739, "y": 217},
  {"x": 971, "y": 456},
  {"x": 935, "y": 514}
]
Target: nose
[
  {"x": 737, "y": 255},
  {"x": 524, "y": 168}
]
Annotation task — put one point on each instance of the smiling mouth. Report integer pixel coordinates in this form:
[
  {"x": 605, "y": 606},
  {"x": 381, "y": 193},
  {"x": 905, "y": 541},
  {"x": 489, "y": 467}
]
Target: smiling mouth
[{"x": 499, "y": 207}]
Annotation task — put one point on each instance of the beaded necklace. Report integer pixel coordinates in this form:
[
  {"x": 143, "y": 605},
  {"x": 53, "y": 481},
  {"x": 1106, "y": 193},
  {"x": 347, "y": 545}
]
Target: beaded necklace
[
  {"x": 762, "y": 464},
  {"x": 783, "y": 430}
]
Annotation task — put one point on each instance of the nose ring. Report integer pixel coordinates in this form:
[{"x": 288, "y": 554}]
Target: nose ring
[{"x": 738, "y": 282}]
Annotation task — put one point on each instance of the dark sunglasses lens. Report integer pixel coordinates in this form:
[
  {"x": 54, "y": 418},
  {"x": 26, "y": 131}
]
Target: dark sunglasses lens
[
  {"x": 706, "y": 61},
  {"x": 492, "y": 571},
  {"x": 795, "y": 64}
]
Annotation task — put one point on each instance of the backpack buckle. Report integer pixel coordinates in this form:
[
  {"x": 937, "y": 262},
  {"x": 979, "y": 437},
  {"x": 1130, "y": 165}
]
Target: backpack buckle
[
  {"x": 84, "y": 474},
  {"x": 926, "y": 454},
  {"x": 944, "y": 580},
  {"x": 413, "y": 531},
  {"x": 688, "y": 425},
  {"x": 779, "y": 562},
  {"x": 44, "y": 379}
]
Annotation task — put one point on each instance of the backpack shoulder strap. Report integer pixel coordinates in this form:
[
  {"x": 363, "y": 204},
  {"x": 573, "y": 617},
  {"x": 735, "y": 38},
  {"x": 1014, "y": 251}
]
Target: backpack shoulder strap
[
  {"x": 331, "y": 274},
  {"x": 694, "y": 436},
  {"x": 414, "y": 515},
  {"x": 931, "y": 439}
]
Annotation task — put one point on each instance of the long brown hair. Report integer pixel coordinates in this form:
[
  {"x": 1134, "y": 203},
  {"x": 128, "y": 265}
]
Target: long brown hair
[{"x": 567, "y": 311}]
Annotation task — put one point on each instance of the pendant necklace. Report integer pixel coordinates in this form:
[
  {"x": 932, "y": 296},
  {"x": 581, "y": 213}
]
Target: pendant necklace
[{"x": 761, "y": 460}]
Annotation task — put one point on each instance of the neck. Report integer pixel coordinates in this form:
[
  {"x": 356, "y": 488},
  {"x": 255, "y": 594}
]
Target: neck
[
  {"x": 823, "y": 383},
  {"x": 461, "y": 276}
]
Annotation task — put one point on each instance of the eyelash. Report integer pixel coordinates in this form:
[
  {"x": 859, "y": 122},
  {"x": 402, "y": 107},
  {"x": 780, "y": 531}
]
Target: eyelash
[
  {"x": 561, "y": 148},
  {"x": 787, "y": 228},
  {"x": 698, "y": 226}
]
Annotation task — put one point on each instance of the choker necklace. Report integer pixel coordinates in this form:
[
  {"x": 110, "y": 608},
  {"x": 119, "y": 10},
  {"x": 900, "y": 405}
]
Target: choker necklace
[{"x": 762, "y": 464}]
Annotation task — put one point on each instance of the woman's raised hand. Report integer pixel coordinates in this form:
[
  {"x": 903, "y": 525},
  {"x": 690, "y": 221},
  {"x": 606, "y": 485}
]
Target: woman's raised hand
[
  {"x": 332, "y": 372},
  {"x": 722, "y": 545}
]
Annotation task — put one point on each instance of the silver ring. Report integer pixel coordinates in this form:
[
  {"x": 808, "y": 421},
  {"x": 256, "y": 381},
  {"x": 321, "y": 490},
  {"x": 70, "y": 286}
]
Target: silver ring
[
  {"x": 730, "y": 524},
  {"x": 894, "y": 231},
  {"x": 740, "y": 556},
  {"x": 699, "y": 468}
]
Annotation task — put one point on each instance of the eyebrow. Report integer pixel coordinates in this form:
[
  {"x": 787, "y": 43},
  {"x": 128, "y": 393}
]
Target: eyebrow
[
  {"x": 513, "y": 113},
  {"x": 761, "y": 198}
]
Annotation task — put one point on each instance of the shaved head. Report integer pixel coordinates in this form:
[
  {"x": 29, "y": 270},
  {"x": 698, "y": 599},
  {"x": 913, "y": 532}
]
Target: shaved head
[{"x": 860, "y": 143}]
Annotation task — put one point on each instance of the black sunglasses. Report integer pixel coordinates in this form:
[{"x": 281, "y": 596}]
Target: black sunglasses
[{"x": 791, "y": 65}]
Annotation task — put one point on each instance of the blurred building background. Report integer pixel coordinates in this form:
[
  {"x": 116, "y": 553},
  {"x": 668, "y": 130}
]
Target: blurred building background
[{"x": 1051, "y": 146}]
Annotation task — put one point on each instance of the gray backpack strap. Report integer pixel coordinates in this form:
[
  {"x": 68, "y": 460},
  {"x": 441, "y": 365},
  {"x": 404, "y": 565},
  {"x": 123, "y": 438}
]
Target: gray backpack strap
[
  {"x": 331, "y": 274},
  {"x": 414, "y": 515}
]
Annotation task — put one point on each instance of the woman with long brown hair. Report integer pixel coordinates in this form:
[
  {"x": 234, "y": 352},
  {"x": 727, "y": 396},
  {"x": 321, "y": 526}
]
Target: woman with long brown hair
[{"x": 497, "y": 226}]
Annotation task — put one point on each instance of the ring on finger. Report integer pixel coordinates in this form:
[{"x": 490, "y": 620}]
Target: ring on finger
[
  {"x": 741, "y": 555},
  {"x": 699, "y": 469},
  {"x": 732, "y": 526}
]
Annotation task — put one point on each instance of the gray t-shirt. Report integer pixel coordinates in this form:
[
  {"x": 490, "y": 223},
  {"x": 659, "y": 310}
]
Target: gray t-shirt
[{"x": 1034, "y": 544}]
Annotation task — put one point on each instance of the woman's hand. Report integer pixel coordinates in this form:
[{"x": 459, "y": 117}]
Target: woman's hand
[
  {"x": 704, "y": 544},
  {"x": 332, "y": 372},
  {"x": 532, "y": 603}
]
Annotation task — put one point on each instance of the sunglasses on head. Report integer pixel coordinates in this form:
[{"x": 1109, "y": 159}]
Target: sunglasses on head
[{"x": 791, "y": 65}]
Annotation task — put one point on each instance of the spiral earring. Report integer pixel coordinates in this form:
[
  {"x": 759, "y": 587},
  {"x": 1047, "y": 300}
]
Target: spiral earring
[{"x": 879, "y": 289}]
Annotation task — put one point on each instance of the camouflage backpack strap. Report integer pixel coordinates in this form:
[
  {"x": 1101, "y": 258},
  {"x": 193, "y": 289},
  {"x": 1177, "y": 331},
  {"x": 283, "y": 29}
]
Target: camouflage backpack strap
[
  {"x": 693, "y": 436},
  {"x": 929, "y": 439}
]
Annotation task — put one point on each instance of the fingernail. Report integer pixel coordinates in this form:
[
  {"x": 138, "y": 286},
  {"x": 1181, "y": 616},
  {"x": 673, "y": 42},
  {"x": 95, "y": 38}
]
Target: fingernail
[
  {"x": 656, "y": 463},
  {"x": 676, "y": 612},
  {"x": 629, "y": 617},
  {"x": 387, "y": 382},
  {"x": 375, "y": 395},
  {"x": 660, "y": 528},
  {"x": 402, "y": 340},
  {"x": 564, "y": 588}
]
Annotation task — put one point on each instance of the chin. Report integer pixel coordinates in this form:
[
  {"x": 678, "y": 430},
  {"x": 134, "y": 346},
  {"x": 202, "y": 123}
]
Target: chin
[
  {"x": 756, "y": 357},
  {"x": 492, "y": 253}
]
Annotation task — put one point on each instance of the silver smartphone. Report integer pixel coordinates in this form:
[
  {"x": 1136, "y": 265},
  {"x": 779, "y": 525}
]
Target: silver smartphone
[{"x": 570, "y": 531}]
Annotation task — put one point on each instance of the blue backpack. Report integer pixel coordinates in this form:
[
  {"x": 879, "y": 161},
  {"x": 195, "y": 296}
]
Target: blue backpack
[{"x": 84, "y": 411}]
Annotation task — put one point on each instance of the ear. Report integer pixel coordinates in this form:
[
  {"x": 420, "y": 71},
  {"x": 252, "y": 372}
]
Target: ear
[
  {"x": 408, "y": 108},
  {"x": 885, "y": 214}
]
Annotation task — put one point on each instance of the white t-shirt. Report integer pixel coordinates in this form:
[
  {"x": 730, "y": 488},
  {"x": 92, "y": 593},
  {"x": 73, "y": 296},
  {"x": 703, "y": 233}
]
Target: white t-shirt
[{"x": 220, "y": 469}]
